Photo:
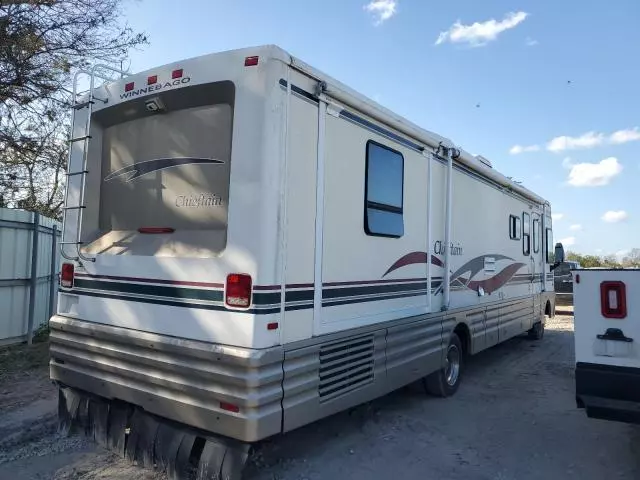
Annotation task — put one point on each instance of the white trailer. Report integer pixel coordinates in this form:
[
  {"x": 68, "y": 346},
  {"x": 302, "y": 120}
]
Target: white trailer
[
  {"x": 606, "y": 305},
  {"x": 252, "y": 246}
]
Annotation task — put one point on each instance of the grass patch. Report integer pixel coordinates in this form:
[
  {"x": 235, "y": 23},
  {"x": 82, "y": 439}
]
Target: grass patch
[{"x": 22, "y": 358}]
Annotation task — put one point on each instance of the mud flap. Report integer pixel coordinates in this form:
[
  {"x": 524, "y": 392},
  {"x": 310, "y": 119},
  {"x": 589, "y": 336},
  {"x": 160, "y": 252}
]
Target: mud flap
[{"x": 151, "y": 441}]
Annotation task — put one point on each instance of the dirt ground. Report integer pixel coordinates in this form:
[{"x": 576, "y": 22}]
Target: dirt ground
[{"x": 514, "y": 417}]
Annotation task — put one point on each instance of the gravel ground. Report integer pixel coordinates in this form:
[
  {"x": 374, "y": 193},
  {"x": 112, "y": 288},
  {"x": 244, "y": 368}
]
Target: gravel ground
[{"x": 514, "y": 417}]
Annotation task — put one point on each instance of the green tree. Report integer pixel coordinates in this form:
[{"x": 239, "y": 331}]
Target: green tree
[{"x": 41, "y": 43}]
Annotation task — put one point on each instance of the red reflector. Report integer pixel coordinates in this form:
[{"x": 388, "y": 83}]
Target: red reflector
[
  {"x": 66, "y": 275},
  {"x": 229, "y": 407},
  {"x": 238, "y": 290},
  {"x": 128, "y": 87},
  {"x": 152, "y": 79},
  {"x": 176, "y": 73},
  {"x": 156, "y": 230},
  {"x": 251, "y": 61},
  {"x": 613, "y": 299},
  {"x": 272, "y": 326}
]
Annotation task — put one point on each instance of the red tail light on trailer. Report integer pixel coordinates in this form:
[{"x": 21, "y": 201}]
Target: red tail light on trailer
[
  {"x": 251, "y": 61},
  {"x": 238, "y": 290},
  {"x": 66, "y": 275},
  {"x": 613, "y": 299}
]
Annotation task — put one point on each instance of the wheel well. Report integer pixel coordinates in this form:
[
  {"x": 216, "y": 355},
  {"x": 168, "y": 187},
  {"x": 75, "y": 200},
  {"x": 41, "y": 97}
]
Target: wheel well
[{"x": 465, "y": 337}]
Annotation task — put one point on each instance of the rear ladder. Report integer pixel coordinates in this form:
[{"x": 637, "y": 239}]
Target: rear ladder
[{"x": 95, "y": 72}]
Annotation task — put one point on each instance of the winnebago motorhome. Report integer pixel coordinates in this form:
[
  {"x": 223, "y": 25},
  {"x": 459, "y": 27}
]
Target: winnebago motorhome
[{"x": 251, "y": 246}]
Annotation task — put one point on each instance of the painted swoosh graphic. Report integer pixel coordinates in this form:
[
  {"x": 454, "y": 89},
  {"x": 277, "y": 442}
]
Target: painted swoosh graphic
[
  {"x": 412, "y": 258},
  {"x": 137, "y": 170},
  {"x": 471, "y": 268}
]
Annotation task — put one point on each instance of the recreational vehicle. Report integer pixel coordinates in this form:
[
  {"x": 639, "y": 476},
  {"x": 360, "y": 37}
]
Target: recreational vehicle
[{"x": 251, "y": 246}]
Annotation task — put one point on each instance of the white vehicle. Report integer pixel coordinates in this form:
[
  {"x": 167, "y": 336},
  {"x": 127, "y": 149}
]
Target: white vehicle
[
  {"x": 606, "y": 306},
  {"x": 252, "y": 246}
]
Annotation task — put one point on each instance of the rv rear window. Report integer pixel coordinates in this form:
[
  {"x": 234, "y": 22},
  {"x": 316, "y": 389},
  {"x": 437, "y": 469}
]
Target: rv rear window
[
  {"x": 514, "y": 227},
  {"x": 526, "y": 234},
  {"x": 384, "y": 185}
]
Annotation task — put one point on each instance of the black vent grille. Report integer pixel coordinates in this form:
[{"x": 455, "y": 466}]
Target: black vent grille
[{"x": 345, "y": 366}]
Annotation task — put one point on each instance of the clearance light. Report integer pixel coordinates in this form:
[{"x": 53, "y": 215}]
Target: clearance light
[
  {"x": 272, "y": 326},
  {"x": 152, "y": 79},
  {"x": 176, "y": 74},
  {"x": 128, "y": 87},
  {"x": 238, "y": 290},
  {"x": 66, "y": 275},
  {"x": 251, "y": 61}
]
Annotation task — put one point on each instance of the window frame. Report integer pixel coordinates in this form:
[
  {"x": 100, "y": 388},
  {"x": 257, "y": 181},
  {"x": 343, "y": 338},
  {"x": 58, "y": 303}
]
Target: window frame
[
  {"x": 379, "y": 206},
  {"x": 526, "y": 237},
  {"x": 536, "y": 235},
  {"x": 517, "y": 227}
]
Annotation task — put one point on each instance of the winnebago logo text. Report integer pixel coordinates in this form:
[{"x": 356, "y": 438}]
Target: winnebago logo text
[
  {"x": 140, "y": 169},
  {"x": 155, "y": 88}
]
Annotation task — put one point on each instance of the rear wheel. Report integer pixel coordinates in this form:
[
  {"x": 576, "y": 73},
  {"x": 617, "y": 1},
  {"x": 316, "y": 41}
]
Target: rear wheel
[{"x": 445, "y": 382}]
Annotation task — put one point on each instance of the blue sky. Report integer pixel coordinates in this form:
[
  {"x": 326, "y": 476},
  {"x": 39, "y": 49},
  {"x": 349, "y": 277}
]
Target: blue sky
[{"x": 559, "y": 80}]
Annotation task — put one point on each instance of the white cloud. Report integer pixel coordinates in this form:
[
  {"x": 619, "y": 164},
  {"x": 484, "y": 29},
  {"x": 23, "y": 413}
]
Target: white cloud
[
  {"x": 557, "y": 216},
  {"x": 531, "y": 42},
  {"x": 593, "y": 139},
  {"x": 480, "y": 33},
  {"x": 575, "y": 227},
  {"x": 517, "y": 149},
  {"x": 624, "y": 136},
  {"x": 567, "y": 242},
  {"x": 615, "y": 216},
  {"x": 587, "y": 140},
  {"x": 594, "y": 174},
  {"x": 382, "y": 10}
]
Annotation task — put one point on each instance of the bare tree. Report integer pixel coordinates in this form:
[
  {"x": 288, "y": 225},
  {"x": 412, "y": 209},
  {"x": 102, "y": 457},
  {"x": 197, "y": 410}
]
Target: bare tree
[{"x": 41, "y": 43}]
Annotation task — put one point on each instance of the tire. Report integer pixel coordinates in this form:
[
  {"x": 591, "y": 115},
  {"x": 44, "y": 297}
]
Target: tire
[
  {"x": 445, "y": 382},
  {"x": 537, "y": 331}
]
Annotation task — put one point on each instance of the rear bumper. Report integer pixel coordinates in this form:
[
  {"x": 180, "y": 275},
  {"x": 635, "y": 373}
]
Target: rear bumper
[
  {"x": 181, "y": 380},
  {"x": 608, "y": 392}
]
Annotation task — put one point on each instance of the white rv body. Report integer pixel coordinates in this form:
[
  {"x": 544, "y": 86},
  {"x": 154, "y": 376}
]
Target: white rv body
[
  {"x": 284, "y": 177},
  {"x": 606, "y": 329}
]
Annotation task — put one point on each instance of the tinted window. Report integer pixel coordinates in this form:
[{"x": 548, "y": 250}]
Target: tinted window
[
  {"x": 514, "y": 227},
  {"x": 550, "y": 247},
  {"x": 526, "y": 239},
  {"x": 384, "y": 191},
  {"x": 536, "y": 236}
]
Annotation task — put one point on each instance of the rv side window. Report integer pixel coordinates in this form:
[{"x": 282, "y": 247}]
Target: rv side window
[
  {"x": 383, "y": 191},
  {"x": 550, "y": 247},
  {"x": 526, "y": 238},
  {"x": 536, "y": 236},
  {"x": 514, "y": 227}
]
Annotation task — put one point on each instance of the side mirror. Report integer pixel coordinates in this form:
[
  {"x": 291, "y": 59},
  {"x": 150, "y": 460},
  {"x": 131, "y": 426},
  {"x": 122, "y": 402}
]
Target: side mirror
[{"x": 559, "y": 253}]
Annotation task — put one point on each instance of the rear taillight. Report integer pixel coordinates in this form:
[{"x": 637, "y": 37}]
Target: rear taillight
[
  {"x": 613, "y": 299},
  {"x": 238, "y": 290},
  {"x": 66, "y": 275}
]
